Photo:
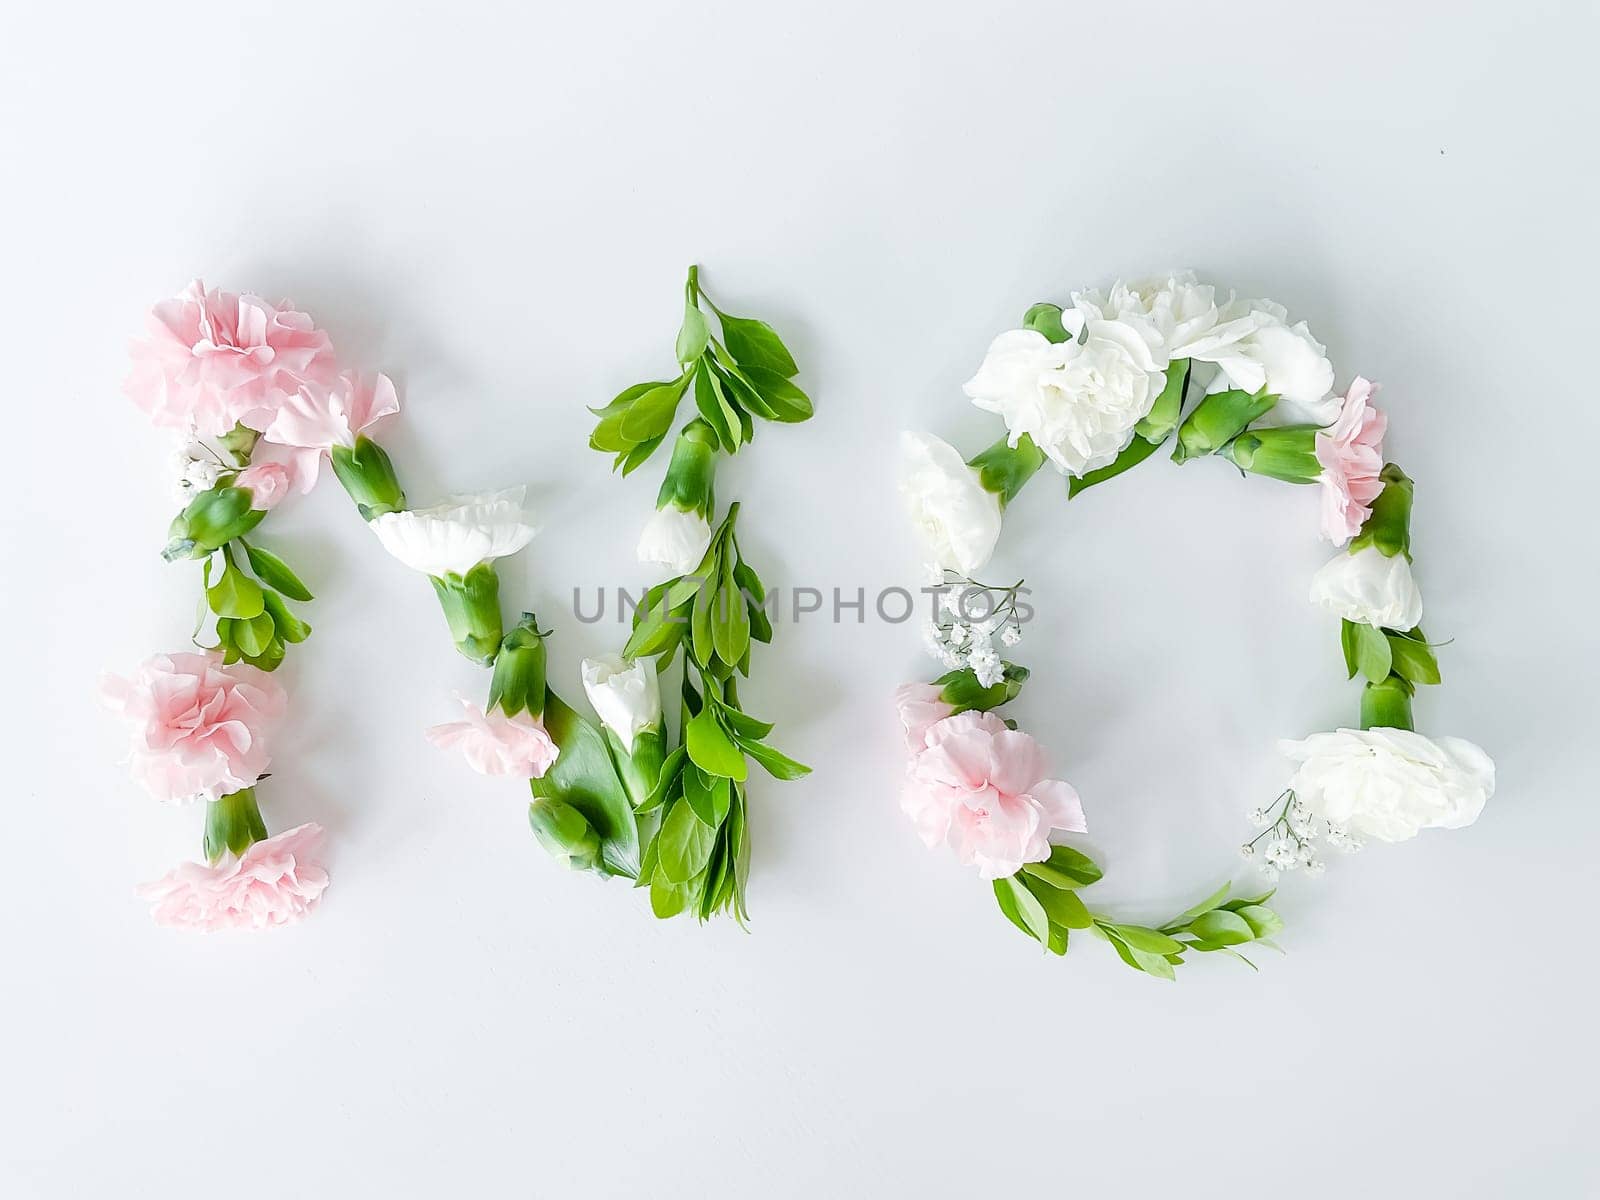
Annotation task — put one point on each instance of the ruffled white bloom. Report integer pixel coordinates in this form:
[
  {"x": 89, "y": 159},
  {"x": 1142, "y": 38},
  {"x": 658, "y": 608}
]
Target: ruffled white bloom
[
  {"x": 1370, "y": 588},
  {"x": 457, "y": 535},
  {"x": 626, "y": 695},
  {"x": 956, "y": 518},
  {"x": 1285, "y": 359},
  {"x": 1178, "y": 317},
  {"x": 675, "y": 539},
  {"x": 1078, "y": 400},
  {"x": 1390, "y": 783}
]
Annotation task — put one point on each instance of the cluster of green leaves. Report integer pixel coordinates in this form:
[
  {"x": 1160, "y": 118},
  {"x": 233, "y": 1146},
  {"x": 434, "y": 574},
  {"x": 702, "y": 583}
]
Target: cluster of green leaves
[
  {"x": 1378, "y": 653},
  {"x": 1042, "y": 901},
  {"x": 254, "y": 621},
  {"x": 698, "y": 859},
  {"x": 747, "y": 373}
]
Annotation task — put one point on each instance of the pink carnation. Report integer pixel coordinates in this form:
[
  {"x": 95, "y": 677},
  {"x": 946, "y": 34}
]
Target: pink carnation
[
  {"x": 317, "y": 418},
  {"x": 267, "y": 482},
  {"x": 921, "y": 706},
  {"x": 199, "y": 728},
  {"x": 495, "y": 744},
  {"x": 275, "y": 882},
  {"x": 214, "y": 360},
  {"x": 981, "y": 787},
  {"x": 1351, "y": 453}
]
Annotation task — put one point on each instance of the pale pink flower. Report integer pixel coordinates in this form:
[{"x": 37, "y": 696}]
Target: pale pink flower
[
  {"x": 495, "y": 744},
  {"x": 214, "y": 360},
  {"x": 1351, "y": 453},
  {"x": 268, "y": 483},
  {"x": 199, "y": 728},
  {"x": 921, "y": 705},
  {"x": 982, "y": 788},
  {"x": 317, "y": 418},
  {"x": 275, "y": 882}
]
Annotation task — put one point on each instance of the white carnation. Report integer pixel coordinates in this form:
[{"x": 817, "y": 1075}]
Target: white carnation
[
  {"x": 1285, "y": 359},
  {"x": 457, "y": 535},
  {"x": 626, "y": 695},
  {"x": 1390, "y": 783},
  {"x": 1370, "y": 588},
  {"x": 957, "y": 520},
  {"x": 675, "y": 539}
]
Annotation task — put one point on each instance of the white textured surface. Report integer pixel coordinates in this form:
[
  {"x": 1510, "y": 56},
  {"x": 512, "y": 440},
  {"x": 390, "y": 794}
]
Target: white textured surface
[{"x": 496, "y": 205}]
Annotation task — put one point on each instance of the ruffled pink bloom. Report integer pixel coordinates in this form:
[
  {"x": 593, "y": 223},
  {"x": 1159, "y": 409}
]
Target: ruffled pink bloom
[
  {"x": 275, "y": 882},
  {"x": 199, "y": 728},
  {"x": 317, "y": 418},
  {"x": 921, "y": 706},
  {"x": 268, "y": 483},
  {"x": 214, "y": 360},
  {"x": 1351, "y": 453},
  {"x": 495, "y": 744},
  {"x": 982, "y": 788}
]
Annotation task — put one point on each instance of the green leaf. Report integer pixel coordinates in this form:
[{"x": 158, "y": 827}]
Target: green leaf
[
  {"x": 1373, "y": 655},
  {"x": 290, "y": 627},
  {"x": 275, "y": 573},
  {"x": 1062, "y": 906},
  {"x": 731, "y": 623},
  {"x": 683, "y": 847},
  {"x": 669, "y": 775},
  {"x": 584, "y": 777},
  {"x": 1222, "y": 927},
  {"x": 787, "y": 402},
  {"x": 707, "y": 795},
  {"x": 253, "y": 636},
  {"x": 1023, "y": 908},
  {"x": 1263, "y": 921},
  {"x": 693, "y": 335},
  {"x": 1132, "y": 455},
  {"x": 778, "y": 765},
  {"x": 236, "y": 595},
  {"x": 1412, "y": 658},
  {"x": 1212, "y": 901},
  {"x": 1349, "y": 642},
  {"x": 1140, "y": 960},
  {"x": 756, "y": 344},
  {"x": 1150, "y": 941},
  {"x": 667, "y": 899},
  {"x": 627, "y": 396},
  {"x": 701, "y": 631},
  {"x": 1065, "y": 868},
  {"x": 711, "y": 749},
  {"x": 651, "y": 414}
]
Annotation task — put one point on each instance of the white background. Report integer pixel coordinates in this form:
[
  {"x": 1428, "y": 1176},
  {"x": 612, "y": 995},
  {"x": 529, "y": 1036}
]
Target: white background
[{"x": 497, "y": 206}]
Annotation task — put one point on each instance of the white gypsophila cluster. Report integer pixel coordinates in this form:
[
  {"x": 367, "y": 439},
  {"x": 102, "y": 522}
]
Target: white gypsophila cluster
[
  {"x": 1288, "y": 839},
  {"x": 959, "y": 639},
  {"x": 194, "y": 469}
]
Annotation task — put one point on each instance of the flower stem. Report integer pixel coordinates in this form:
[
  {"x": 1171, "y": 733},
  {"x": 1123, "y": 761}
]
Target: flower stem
[
  {"x": 1386, "y": 704},
  {"x": 233, "y": 824}
]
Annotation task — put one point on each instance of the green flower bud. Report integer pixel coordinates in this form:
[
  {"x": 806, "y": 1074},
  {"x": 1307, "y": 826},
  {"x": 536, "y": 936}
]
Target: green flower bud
[
  {"x": 233, "y": 823},
  {"x": 1389, "y": 526},
  {"x": 240, "y": 443},
  {"x": 519, "y": 670},
  {"x": 1045, "y": 318},
  {"x": 210, "y": 521},
  {"x": 368, "y": 475},
  {"x": 1217, "y": 420},
  {"x": 690, "y": 474},
  {"x": 1386, "y": 704},
  {"x": 471, "y": 604},
  {"x": 1003, "y": 469},
  {"x": 1289, "y": 453},
  {"x": 565, "y": 832}
]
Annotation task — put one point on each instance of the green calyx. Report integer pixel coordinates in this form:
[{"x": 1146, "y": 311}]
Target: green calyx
[
  {"x": 368, "y": 475},
  {"x": 518, "y": 684},
  {"x": 1217, "y": 420},
  {"x": 233, "y": 825},
  {"x": 1389, "y": 526},
  {"x": 1387, "y": 704},
  {"x": 1163, "y": 416},
  {"x": 565, "y": 833},
  {"x": 692, "y": 472},
  {"x": 1045, "y": 318},
  {"x": 1004, "y": 469},
  {"x": 1288, "y": 453},
  {"x": 240, "y": 443},
  {"x": 471, "y": 604},
  {"x": 209, "y": 522}
]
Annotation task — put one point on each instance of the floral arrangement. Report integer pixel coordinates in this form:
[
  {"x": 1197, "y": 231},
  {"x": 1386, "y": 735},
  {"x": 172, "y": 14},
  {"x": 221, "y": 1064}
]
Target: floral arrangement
[
  {"x": 254, "y": 394},
  {"x": 1094, "y": 389},
  {"x": 688, "y": 794}
]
